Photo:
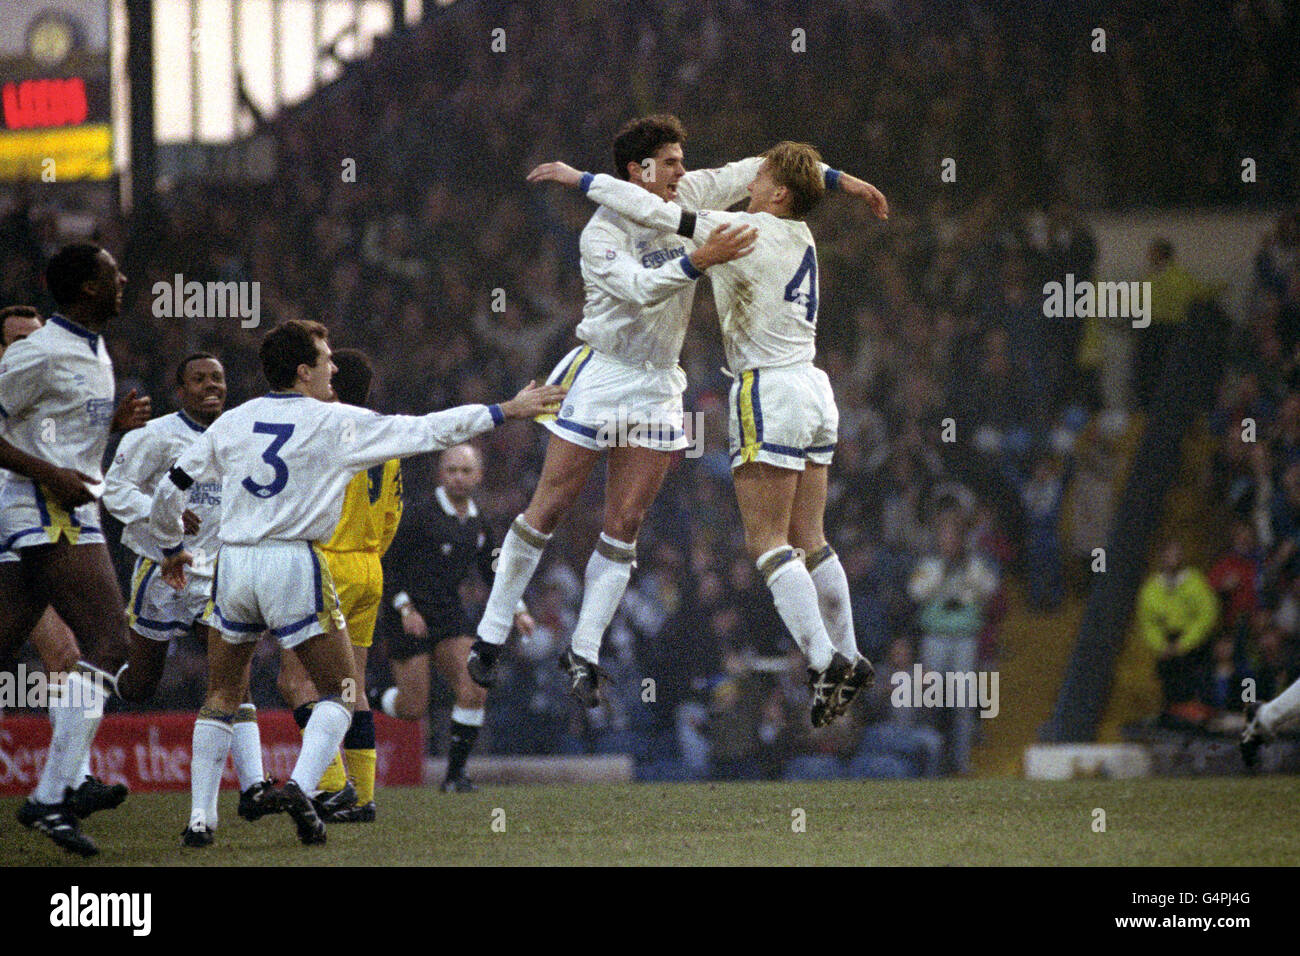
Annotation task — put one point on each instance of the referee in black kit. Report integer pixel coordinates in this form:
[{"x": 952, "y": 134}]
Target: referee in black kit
[{"x": 441, "y": 537}]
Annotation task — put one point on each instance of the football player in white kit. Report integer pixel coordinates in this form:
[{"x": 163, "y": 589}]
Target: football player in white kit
[
  {"x": 51, "y": 638},
  {"x": 625, "y": 383},
  {"x": 156, "y": 612},
  {"x": 56, "y": 411},
  {"x": 783, "y": 419},
  {"x": 284, "y": 461},
  {"x": 1264, "y": 722}
]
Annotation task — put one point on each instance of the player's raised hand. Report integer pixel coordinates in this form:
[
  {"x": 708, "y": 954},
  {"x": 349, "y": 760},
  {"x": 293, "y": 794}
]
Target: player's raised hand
[
  {"x": 191, "y": 522},
  {"x": 70, "y": 487},
  {"x": 725, "y": 244},
  {"x": 561, "y": 173},
  {"x": 534, "y": 400},
  {"x": 132, "y": 412},
  {"x": 173, "y": 569}
]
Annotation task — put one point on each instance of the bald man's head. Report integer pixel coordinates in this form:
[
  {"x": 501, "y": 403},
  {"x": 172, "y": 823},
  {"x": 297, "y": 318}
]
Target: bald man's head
[
  {"x": 460, "y": 471},
  {"x": 17, "y": 322}
]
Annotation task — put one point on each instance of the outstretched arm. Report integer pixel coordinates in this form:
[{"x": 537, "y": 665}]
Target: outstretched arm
[
  {"x": 725, "y": 235},
  {"x": 727, "y": 185}
]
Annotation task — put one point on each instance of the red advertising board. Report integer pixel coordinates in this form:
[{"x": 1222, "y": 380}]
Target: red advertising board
[{"x": 151, "y": 751}]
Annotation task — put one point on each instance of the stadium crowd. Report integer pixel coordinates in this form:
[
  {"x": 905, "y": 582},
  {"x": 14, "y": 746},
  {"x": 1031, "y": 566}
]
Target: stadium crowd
[
  {"x": 461, "y": 282},
  {"x": 1255, "y": 581}
]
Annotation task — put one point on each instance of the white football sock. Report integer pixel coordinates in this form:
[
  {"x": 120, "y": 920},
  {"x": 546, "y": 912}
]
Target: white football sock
[
  {"x": 81, "y": 708},
  {"x": 469, "y": 716},
  {"x": 321, "y": 739},
  {"x": 247, "y": 747},
  {"x": 795, "y": 597},
  {"x": 520, "y": 552},
  {"x": 49, "y": 787},
  {"x": 833, "y": 600},
  {"x": 211, "y": 745},
  {"x": 608, "y": 571},
  {"x": 388, "y": 702},
  {"x": 1281, "y": 710}
]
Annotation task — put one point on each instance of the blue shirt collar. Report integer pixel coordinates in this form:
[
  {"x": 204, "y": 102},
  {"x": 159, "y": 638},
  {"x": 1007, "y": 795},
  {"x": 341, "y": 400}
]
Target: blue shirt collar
[
  {"x": 274, "y": 394},
  {"x": 65, "y": 323},
  {"x": 191, "y": 422}
]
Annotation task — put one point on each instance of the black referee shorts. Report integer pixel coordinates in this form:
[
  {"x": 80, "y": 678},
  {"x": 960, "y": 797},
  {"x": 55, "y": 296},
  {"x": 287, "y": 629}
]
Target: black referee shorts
[{"x": 443, "y": 622}]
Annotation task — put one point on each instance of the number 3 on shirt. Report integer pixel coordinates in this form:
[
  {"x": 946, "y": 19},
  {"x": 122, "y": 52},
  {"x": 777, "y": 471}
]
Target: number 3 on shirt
[
  {"x": 793, "y": 292},
  {"x": 281, "y": 433}
]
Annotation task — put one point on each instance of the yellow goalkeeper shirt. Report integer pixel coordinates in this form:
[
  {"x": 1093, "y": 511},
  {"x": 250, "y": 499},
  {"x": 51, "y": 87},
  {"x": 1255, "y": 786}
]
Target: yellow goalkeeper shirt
[{"x": 372, "y": 508}]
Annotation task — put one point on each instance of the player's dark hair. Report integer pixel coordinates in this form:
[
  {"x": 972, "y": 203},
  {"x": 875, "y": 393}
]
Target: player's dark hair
[
  {"x": 797, "y": 167},
  {"x": 70, "y": 267},
  {"x": 288, "y": 345},
  {"x": 641, "y": 138},
  {"x": 352, "y": 381},
  {"x": 185, "y": 364}
]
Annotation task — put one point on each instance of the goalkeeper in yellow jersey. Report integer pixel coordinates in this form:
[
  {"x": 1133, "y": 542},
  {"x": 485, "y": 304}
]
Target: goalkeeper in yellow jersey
[{"x": 372, "y": 508}]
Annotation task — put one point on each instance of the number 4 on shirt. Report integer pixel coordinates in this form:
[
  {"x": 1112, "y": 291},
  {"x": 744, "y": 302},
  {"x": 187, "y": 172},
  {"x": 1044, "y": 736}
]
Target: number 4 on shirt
[
  {"x": 794, "y": 292},
  {"x": 281, "y": 433}
]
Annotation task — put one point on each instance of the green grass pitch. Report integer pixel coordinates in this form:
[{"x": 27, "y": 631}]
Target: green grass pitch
[{"x": 1214, "y": 821}]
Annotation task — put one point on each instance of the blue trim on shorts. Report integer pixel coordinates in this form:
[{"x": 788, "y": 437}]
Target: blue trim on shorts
[
  {"x": 237, "y": 626},
  {"x": 316, "y": 580},
  {"x": 581, "y": 366},
  {"x": 817, "y": 449},
  {"x": 294, "y": 627},
  {"x": 758, "y": 413},
  {"x": 40, "y": 504},
  {"x": 575, "y": 427},
  {"x": 163, "y": 625},
  {"x": 9, "y": 542}
]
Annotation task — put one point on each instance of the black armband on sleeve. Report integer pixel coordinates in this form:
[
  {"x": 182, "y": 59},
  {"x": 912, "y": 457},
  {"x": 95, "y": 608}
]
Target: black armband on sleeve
[
  {"x": 180, "y": 479},
  {"x": 687, "y": 226}
]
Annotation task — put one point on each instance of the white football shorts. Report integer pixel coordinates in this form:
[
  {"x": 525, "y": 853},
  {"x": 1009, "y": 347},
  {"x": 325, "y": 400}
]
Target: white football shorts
[
  {"x": 783, "y": 416},
  {"x": 158, "y": 611},
  {"x": 284, "y": 587},
  {"x": 30, "y": 516},
  {"x": 613, "y": 404}
]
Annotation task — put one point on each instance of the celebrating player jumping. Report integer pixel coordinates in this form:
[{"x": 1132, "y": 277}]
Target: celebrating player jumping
[
  {"x": 783, "y": 416},
  {"x": 640, "y": 284}
]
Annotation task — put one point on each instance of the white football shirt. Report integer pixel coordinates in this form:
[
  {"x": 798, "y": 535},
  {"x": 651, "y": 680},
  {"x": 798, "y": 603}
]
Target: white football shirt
[
  {"x": 284, "y": 461},
  {"x": 143, "y": 459},
  {"x": 56, "y": 398},
  {"x": 639, "y": 289},
  {"x": 767, "y": 300}
]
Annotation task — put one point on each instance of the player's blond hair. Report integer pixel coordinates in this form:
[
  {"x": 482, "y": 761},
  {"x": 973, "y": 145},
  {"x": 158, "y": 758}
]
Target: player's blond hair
[{"x": 797, "y": 167}]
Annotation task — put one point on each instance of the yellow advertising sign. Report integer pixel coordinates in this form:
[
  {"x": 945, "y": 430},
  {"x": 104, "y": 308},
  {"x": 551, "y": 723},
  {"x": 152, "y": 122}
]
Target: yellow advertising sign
[{"x": 57, "y": 155}]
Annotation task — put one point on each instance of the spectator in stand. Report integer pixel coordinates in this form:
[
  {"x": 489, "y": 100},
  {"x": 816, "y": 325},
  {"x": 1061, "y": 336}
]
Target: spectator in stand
[
  {"x": 1042, "y": 496},
  {"x": 1234, "y": 578},
  {"x": 1176, "y": 614},
  {"x": 1173, "y": 291},
  {"x": 952, "y": 588}
]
